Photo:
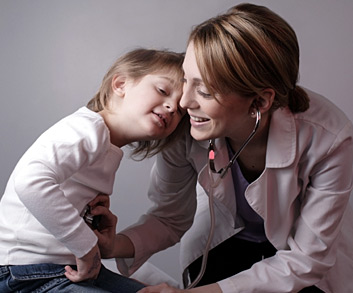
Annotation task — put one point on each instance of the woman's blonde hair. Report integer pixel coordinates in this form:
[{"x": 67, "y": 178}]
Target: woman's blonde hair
[
  {"x": 248, "y": 49},
  {"x": 134, "y": 65}
]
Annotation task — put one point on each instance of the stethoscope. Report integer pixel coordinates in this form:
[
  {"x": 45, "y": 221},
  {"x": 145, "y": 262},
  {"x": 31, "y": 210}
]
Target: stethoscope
[{"x": 214, "y": 183}]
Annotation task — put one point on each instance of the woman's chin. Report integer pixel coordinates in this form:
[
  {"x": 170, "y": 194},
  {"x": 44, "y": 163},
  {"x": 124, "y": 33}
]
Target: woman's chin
[{"x": 197, "y": 135}]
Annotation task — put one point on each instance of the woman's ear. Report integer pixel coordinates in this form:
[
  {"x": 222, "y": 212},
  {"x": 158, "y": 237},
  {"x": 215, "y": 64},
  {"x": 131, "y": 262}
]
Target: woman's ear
[
  {"x": 264, "y": 101},
  {"x": 118, "y": 85}
]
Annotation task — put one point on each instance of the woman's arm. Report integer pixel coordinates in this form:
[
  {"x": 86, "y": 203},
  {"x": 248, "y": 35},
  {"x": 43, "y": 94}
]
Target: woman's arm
[{"x": 172, "y": 191}]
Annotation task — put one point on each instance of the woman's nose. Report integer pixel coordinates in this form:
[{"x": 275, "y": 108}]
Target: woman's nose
[{"x": 187, "y": 100}]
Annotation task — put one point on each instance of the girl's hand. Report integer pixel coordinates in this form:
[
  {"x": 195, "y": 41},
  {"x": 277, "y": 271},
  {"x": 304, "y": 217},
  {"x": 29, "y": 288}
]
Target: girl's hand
[{"x": 88, "y": 267}]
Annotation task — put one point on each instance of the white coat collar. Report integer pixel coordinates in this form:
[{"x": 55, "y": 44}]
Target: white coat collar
[{"x": 282, "y": 139}]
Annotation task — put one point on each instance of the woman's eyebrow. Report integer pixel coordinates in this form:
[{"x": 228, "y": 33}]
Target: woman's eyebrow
[{"x": 197, "y": 80}]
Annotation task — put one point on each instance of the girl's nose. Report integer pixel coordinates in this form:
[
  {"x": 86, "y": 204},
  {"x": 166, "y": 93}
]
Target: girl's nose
[{"x": 171, "y": 106}]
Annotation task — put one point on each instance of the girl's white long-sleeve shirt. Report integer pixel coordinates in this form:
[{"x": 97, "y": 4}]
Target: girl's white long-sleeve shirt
[{"x": 65, "y": 168}]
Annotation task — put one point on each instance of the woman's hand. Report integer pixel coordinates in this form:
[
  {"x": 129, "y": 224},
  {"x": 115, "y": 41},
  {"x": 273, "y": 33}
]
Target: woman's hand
[
  {"x": 165, "y": 288},
  {"x": 100, "y": 200},
  {"x": 106, "y": 230},
  {"x": 111, "y": 245},
  {"x": 161, "y": 288},
  {"x": 88, "y": 267}
]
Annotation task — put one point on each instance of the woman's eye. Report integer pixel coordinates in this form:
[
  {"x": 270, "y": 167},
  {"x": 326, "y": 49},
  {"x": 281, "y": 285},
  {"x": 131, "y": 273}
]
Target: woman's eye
[{"x": 203, "y": 94}]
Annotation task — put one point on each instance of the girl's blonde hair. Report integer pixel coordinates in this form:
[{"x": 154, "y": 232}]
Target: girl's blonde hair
[
  {"x": 134, "y": 65},
  {"x": 248, "y": 49}
]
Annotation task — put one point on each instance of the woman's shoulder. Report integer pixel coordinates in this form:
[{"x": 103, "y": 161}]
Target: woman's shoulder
[{"x": 324, "y": 113}]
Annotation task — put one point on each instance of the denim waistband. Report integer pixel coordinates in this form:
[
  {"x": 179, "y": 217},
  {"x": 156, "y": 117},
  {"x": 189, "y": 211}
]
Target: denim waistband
[
  {"x": 4, "y": 270},
  {"x": 33, "y": 271}
]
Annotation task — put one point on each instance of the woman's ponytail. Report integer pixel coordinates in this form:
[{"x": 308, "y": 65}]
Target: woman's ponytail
[{"x": 298, "y": 100}]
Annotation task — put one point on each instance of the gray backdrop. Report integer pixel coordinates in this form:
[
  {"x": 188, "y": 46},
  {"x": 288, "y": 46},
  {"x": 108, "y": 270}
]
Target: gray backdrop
[{"x": 53, "y": 55}]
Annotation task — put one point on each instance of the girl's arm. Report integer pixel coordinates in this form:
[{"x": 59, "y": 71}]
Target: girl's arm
[{"x": 56, "y": 156}]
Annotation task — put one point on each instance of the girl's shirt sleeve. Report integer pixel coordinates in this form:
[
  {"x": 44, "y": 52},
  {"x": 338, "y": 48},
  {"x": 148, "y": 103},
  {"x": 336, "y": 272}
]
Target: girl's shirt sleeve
[{"x": 63, "y": 150}]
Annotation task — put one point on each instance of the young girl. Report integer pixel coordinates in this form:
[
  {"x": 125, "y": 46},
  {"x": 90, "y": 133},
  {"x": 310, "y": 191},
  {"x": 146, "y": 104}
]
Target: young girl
[{"x": 41, "y": 212}]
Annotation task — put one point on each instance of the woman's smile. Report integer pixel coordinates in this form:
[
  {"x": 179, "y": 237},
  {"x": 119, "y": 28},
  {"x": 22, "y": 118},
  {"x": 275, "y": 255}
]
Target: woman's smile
[{"x": 198, "y": 119}]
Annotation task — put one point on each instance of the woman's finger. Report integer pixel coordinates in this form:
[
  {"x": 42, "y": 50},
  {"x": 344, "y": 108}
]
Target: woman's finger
[{"x": 100, "y": 200}]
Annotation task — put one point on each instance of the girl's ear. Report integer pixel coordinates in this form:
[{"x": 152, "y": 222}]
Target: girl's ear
[
  {"x": 118, "y": 85},
  {"x": 264, "y": 101}
]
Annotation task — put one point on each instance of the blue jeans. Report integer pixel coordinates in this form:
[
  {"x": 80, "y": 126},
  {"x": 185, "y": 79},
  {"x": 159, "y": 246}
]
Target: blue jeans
[{"x": 50, "y": 278}]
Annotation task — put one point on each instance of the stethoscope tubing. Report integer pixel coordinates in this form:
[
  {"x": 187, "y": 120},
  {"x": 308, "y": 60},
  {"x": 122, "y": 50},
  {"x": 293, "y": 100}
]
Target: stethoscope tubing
[{"x": 222, "y": 172}]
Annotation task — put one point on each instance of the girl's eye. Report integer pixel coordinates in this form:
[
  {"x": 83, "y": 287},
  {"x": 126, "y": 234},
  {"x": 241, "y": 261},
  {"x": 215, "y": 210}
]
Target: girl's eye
[{"x": 163, "y": 92}]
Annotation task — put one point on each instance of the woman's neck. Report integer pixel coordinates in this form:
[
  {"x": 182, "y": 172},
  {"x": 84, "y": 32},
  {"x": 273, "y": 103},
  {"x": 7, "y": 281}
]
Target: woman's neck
[{"x": 252, "y": 159}]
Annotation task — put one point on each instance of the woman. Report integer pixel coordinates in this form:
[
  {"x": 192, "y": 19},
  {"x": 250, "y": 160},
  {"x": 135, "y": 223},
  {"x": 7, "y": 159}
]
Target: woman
[{"x": 283, "y": 221}]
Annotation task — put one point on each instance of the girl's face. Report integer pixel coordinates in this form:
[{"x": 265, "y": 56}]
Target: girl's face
[
  {"x": 147, "y": 109},
  {"x": 210, "y": 117}
]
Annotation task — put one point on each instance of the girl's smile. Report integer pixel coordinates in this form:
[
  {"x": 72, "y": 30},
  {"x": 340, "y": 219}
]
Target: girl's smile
[{"x": 162, "y": 119}]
